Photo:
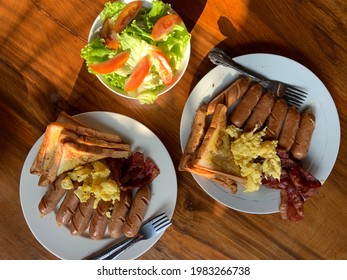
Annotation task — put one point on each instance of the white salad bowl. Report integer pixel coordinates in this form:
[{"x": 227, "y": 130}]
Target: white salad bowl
[{"x": 94, "y": 32}]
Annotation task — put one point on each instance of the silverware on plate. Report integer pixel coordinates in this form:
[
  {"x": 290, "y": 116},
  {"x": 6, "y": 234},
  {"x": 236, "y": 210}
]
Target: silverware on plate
[
  {"x": 148, "y": 230},
  {"x": 292, "y": 94}
]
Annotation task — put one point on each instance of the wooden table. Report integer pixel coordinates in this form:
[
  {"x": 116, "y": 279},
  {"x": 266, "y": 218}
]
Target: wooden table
[{"x": 42, "y": 73}]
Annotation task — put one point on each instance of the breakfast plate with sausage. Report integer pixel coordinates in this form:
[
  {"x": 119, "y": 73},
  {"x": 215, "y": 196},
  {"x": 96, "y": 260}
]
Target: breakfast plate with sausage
[
  {"x": 70, "y": 240},
  {"x": 324, "y": 142}
]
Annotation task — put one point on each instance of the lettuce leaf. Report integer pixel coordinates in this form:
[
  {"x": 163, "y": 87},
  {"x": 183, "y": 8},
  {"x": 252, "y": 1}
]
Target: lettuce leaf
[
  {"x": 137, "y": 48},
  {"x": 95, "y": 52},
  {"x": 158, "y": 10},
  {"x": 112, "y": 10},
  {"x": 174, "y": 46}
]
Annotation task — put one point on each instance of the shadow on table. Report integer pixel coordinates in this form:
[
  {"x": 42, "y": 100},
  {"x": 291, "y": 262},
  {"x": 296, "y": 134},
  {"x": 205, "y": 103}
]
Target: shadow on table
[
  {"x": 234, "y": 35},
  {"x": 191, "y": 16}
]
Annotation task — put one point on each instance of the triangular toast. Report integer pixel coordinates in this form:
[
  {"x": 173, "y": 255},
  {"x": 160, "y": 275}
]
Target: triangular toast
[
  {"x": 82, "y": 144},
  {"x": 69, "y": 155},
  {"x": 214, "y": 152},
  {"x": 207, "y": 152}
]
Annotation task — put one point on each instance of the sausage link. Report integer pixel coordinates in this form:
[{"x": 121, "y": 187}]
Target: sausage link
[
  {"x": 81, "y": 219},
  {"x": 260, "y": 113},
  {"x": 52, "y": 197},
  {"x": 137, "y": 212},
  {"x": 303, "y": 136},
  {"x": 68, "y": 207},
  {"x": 99, "y": 220},
  {"x": 289, "y": 129},
  {"x": 119, "y": 214},
  {"x": 244, "y": 109},
  {"x": 275, "y": 120},
  {"x": 230, "y": 95}
]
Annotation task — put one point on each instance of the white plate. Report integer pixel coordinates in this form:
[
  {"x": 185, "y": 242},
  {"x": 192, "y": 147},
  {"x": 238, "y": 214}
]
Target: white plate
[
  {"x": 94, "y": 32},
  {"x": 325, "y": 140},
  {"x": 58, "y": 240}
]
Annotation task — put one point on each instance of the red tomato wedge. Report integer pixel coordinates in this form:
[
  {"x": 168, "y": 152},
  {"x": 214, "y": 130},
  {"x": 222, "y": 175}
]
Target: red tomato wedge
[
  {"x": 127, "y": 15},
  {"x": 165, "y": 71},
  {"x": 138, "y": 75},
  {"x": 109, "y": 35},
  {"x": 111, "y": 65},
  {"x": 164, "y": 26}
]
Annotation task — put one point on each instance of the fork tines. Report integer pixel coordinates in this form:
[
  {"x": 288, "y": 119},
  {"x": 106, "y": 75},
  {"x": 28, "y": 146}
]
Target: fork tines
[
  {"x": 294, "y": 95},
  {"x": 296, "y": 92},
  {"x": 161, "y": 222},
  {"x": 156, "y": 218},
  {"x": 293, "y": 101}
]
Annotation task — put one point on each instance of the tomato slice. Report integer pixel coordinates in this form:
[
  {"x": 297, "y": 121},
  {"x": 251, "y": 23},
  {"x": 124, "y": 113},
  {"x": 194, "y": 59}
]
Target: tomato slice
[
  {"x": 109, "y": 35},
  {"x": 165, "y": 71},
  {"x": 138, "y": 75},
  {"x": 111, "y": 65},
  {"x": 164, "y": 26},
  {"x": 127, "y": 15}
]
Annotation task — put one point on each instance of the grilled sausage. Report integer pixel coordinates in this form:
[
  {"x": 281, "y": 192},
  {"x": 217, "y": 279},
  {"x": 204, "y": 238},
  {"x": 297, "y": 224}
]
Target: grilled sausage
[
  {"x": 303, "y": 136},
  {"x": 99, "y": 220},
  {"x": 52, "y": 197},
  {"x": 260, "y": 113},
  {"x": 244, "y": 109},
  {"x": 68, "y": 207},
  {"x": 137, "y": 211},
  {"x": 275, "y": 120},
  {"x": 119, "y": 214},
  {"x": 81, "y": 219},
  {"x": 289, "y": 128},
  {"x": 230, "y": 95}
]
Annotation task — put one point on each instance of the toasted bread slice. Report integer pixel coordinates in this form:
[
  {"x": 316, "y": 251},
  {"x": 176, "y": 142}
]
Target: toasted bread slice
[
  {"x": 82, "y": 130},
  {"x": 79, "y": 128},
  {"x": 68, "y": 142},
  {"x": 70, "y": 136},
  {"x": 220, "y": 178},
  {"x": 75, "y": 133},
  {"x": 202, "y": 152},
  {"x": 69, "y": 155},
  {"x": 214, "y": 153},
  {"x": 76, "y": 154},
  {"x": 50, "y": 141},
  {"x": 195, "y": 138},
  {"x": 63, "y": 117},
  {"x": 47, "y": 149}
]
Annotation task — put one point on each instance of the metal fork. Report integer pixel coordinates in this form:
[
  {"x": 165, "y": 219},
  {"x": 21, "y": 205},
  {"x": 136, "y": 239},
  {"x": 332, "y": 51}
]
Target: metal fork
[
  {"x": 148, "y": 230},
  {"x": 292, "y": 94}
]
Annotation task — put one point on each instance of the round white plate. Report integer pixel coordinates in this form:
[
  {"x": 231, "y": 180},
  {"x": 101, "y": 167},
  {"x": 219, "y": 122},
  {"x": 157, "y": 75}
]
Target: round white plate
[
  {"x": 58, "y": 240},
  {"x": 325, "y": 140}
]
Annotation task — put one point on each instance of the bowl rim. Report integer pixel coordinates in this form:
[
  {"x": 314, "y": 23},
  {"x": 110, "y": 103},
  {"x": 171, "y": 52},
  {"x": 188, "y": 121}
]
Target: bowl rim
[{"x": 95, "y": 30}]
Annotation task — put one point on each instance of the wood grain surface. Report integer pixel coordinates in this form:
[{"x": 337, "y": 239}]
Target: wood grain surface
[{"x": 42, "y": 73}]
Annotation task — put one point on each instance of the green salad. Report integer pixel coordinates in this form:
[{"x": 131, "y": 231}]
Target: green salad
[{"x": 139, "y": 50}]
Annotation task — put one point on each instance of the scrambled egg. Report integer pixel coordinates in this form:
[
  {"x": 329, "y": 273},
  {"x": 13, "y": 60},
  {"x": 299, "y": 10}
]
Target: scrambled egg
[
  {"x": 95, "y": 179},
  {"x": 255, "y": 157}
]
